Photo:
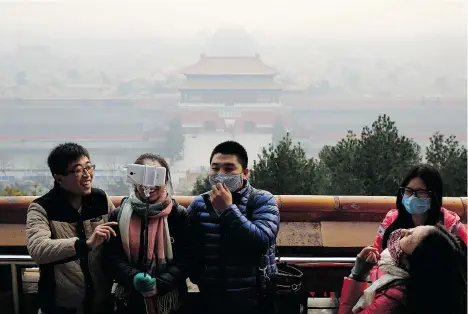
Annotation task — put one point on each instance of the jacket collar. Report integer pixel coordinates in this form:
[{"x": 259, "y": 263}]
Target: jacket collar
[
  {"x": 59, "y": 196},
  {"x": 244, "y": 192}
]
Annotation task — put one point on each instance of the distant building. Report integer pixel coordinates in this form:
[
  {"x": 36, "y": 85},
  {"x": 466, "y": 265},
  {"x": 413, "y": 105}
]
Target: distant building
[
  {"x": 187, "y": 182},
  {"x": 230, "y": 94},
  {"x": 114, "y": 130}
]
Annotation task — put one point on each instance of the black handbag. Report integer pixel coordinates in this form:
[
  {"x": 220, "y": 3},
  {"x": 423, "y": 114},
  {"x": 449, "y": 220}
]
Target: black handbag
[{"x": 284, "y": 289}]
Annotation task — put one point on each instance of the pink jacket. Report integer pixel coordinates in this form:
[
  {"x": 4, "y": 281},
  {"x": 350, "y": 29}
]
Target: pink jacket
[
  {"x": 388, "y": 300},
  {"x": 384, "y": 302},
  {"x": 451, "y": 221}
]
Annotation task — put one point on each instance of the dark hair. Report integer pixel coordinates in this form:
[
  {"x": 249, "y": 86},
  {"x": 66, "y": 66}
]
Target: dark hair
[
  {"x": 64, "y": 154},
  {"x": 437, "y": 275},
  {"x": 161, "y": 161},
  {"x": 232, "y": 148},
  {"x": 433, "y": 181}
]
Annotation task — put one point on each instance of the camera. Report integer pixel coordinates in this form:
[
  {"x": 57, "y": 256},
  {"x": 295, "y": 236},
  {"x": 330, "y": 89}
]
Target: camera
[{"x": 146, "y": 175}]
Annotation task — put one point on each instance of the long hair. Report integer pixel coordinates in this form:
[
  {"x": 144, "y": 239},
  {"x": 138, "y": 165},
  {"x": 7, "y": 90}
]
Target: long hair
[
  {"x": 163, "y": 163},
  {"x": 433, "y": 181},
  {"x": 437, "y": 275}
]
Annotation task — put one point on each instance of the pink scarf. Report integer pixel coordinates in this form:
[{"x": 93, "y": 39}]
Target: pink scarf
[
  {"x": 156, "y": 235},
  {"x": 159, "y": 251}
]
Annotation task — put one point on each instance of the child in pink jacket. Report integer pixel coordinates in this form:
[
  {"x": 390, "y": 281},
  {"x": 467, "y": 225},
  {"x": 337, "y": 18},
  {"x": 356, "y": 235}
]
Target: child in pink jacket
[{"x": 423, "y": 270}]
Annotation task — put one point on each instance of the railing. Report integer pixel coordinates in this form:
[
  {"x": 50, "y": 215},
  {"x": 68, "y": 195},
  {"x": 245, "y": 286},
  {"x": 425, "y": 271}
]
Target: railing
[
  {"x": 14, "y": 261},
  {"x": 319, "y": 272},
  {"x": 303, "y": 262},
  {"x": 293, "y": 208}
]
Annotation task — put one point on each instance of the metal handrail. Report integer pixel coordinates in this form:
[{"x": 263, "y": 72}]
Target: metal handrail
[
  {"x": 16, "y": 259},
  {"x": 317, "y": 259},
  {"x": 26, "y": 260}
]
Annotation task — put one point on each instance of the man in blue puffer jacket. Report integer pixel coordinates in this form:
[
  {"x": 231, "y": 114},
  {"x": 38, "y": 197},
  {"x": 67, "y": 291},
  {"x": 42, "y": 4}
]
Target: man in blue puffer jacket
[{"x": 234, "y": 244}]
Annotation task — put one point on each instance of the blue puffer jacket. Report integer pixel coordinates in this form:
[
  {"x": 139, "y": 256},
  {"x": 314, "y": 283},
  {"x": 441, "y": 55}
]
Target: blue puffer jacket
[{"x": 229, "y": 250}]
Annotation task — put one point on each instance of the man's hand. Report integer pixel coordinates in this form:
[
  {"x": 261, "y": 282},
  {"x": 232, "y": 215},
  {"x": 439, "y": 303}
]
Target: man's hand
[
  {"x": 101, "y": 233},
  {"x": 220, "y": 197}
]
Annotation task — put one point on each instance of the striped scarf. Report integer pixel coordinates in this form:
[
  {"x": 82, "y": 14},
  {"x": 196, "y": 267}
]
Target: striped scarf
[{"x": 159, "y": 250}]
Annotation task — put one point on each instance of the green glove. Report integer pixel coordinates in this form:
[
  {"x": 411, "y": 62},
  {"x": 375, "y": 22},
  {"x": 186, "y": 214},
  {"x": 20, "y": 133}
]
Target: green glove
[{"x": 144, "y": 283}]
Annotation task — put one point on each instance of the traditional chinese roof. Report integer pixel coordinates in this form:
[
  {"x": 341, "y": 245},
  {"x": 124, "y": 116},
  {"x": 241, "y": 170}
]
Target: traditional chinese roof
[
  {"x": 230, "y": 85},
  {"x": 229, "y": 66}
]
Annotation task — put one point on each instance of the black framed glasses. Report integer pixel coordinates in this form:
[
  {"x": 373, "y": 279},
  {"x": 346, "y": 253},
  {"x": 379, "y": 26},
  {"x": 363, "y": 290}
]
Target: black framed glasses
[
  {"x": 79, "y": 171},
  {"x": 422, "y": 194}
]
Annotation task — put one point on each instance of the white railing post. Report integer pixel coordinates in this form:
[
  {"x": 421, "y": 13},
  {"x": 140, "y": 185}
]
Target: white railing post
[{"x": 15, "y": 288}]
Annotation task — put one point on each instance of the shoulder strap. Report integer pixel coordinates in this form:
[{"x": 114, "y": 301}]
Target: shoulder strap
[
  {"x": 206, "y": 199},
  {"x": 250, "y": 204}
]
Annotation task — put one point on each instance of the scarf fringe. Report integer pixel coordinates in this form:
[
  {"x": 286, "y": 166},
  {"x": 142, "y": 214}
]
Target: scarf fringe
[{"x": 164, "y": 304}]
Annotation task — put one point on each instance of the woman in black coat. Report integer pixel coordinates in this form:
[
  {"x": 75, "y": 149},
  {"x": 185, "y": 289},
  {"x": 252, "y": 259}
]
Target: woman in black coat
[{"x": 150, "y": 267}]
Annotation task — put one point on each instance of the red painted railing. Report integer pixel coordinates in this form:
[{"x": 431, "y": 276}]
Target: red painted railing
[{"x": 292, "y": 207}]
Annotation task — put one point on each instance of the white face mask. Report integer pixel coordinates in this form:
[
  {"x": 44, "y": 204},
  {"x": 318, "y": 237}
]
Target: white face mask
[{"x": 232, "y": 181}]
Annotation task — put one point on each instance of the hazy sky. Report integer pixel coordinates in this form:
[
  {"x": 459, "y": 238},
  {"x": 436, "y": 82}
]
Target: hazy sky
[{"x": 279, "y": 19}]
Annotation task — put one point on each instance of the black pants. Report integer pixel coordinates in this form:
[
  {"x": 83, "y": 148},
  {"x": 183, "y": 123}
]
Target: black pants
[{"x": 61, "y": 310}]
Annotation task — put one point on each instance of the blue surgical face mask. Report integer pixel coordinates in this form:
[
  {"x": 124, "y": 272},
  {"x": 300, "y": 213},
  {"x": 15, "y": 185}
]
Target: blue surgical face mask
[{"x": 415, "y": 205}]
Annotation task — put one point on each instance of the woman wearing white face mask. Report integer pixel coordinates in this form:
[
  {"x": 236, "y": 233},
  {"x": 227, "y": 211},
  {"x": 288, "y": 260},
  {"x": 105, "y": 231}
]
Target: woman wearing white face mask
[
  {"x": 419, "y": 202},
  {"x": 149, "y": 256}
]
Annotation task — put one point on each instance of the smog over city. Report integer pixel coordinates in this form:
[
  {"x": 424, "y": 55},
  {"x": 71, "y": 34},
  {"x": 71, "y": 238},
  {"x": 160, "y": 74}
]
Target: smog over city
[{"x": 178, "y": 77}]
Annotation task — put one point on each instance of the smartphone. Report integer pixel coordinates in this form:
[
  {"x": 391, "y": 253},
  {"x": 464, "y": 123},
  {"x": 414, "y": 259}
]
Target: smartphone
[{"x": 146, "y": 175}]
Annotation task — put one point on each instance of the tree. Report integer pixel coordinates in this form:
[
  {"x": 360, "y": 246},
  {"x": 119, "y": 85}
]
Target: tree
[
  {"x": 22, "y": 188},
  {"x": 339, "y": 162},
  {"x": 279, "y": 132},
  {"x": 12, "y": 191},
  {"x": 372, "y": 164},
  {"x": 283, "y": 169},
  {"x": 173, "y": 148},
  {"x": 202, "y": 185},
  {"x": 36, "y": 190},
  {"x": 450, "y": 158},
  {"x": 385, "y": 156}
]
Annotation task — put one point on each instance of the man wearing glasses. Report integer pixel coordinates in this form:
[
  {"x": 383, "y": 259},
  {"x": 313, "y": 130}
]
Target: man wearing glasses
[{"x": 65, "y": 229}]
